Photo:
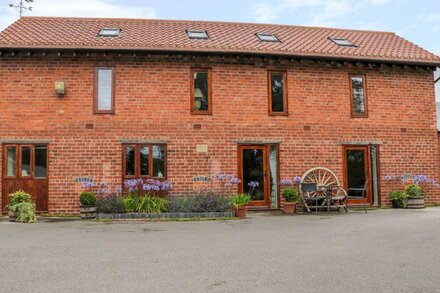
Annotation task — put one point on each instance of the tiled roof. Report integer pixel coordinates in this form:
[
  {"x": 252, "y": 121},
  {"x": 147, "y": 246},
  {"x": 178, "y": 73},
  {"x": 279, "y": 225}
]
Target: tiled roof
[{"x": 170, "y": 35}]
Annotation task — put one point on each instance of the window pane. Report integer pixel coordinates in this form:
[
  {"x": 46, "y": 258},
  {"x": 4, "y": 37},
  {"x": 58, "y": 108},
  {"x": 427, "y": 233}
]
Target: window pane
[
  {"x": 105, "y": 88},
  {"x": 201, "y": 91},
  {"x": 11, "y": 161},
  {"x": 277, "y": 80},
  {"x": 356, "y": 172},
  {"x": 145, "y": 164},
  {"x": 40, "y": 162},
  {"x": 357, "y": 84},
  {"x": 158, "y": 161},
  {"x": 129, "y": 161},
  {"x": 25, "y": 161}
]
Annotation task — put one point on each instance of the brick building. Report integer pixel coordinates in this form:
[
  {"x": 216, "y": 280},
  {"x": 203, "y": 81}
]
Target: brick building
[{"x": 111, "y": 99}]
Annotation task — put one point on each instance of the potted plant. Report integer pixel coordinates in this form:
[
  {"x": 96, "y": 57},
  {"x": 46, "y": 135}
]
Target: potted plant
[
  {"x": 396, "y": 199},
  {"x": 416, "y": 196},
  {"x": 87, "y": 207},
  {"x": 240, "y": 204},
  {"x": 15, "y": 201},
  {"x": 291, "y": 198}
]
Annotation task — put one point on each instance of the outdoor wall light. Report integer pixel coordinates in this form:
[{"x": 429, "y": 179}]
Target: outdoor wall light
[{"x": 60, "y": 87}]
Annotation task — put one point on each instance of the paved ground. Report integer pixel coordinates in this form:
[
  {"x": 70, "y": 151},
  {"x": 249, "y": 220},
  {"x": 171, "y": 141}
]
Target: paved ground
[{"x": 383, "y": 251}]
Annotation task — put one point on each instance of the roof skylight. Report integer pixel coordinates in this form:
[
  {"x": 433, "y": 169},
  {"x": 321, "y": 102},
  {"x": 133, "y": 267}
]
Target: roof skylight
[
  {"x": 268, "y": 37},
  {"x": 342, "y": 42},
  {"x": 198, "y": 35},
  {"x": 109, "y": 32}
]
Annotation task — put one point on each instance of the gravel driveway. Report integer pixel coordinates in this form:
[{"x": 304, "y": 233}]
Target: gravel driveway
[{"x": 382, "y": 251}]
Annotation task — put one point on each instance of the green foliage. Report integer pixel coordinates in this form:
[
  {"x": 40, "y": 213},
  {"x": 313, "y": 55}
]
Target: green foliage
[
  {"x": 19, "y": 197},
  {"x": 87, "y": 198},
  {"x": 25, "y": 211},
  {"x": 135, "y": 203},
  {"x": 290, "y": 194},
  {"x": 396, "y": 195},
  {"x": 239, "y": 200},
  {"x": 414, "y": 190},
  {"x": 110, "y": 205},
  {"x": 200, "y": 204}
]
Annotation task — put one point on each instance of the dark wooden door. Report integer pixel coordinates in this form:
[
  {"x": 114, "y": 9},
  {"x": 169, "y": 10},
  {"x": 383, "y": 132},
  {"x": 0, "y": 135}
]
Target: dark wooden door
[
  {"x": 357, "y": 174},
  {"x": 25, "y": 167},
  {"x": 253, "y": 167}
]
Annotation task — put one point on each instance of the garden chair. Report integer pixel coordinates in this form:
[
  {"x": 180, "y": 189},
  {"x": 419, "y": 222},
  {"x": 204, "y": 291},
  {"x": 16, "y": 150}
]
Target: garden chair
[
  {"x": 361, "y": 196},
  {"x": 311, "y": 196}
]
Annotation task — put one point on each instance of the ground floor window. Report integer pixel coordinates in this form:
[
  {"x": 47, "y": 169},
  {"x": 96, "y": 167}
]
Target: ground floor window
[{"x": 144, "y": 161}]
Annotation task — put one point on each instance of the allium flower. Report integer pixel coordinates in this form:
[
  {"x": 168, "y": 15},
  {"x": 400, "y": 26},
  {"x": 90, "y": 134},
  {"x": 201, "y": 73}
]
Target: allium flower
[
  {"x": 253, "y": 184},
  {"x": 286, "y": 182},
  {"x": 297, "y": 179},
  {"x": 388, "y": 177},
  {"x": 118, "y": 189}
]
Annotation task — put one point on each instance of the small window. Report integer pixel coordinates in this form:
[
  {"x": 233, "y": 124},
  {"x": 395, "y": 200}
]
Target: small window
[
  {"x": 200, "y": 35},
  {"x": 40, "y": 168},
  {"x": 201, "y": 91},
  {"x": 342, "y": 42},
  {"x": 109, "y": 32},
  {"x": 267, "y": 37},
  {"x": 144, "y": 160},
  {"x": 358, "y": 96},
  {"x": 277, "y": 93},
  {"x": 104, "y": 101},
  {"x": 11, "y": 161},
  {"x": 26, "y": 161}
]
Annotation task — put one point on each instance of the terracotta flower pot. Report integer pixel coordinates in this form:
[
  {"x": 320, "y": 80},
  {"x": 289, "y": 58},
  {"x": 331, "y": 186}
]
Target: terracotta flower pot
[
  {"x": 289, "y": 208},
  {"x": 241, "y": 212}
]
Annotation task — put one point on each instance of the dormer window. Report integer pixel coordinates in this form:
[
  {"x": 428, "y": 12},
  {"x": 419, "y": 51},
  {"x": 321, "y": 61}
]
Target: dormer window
[
  {"x": 342, "y": 42},
  {"x": 267, "y": 37},
  {"x": 109, "y": 32},
  {"x": 197, "y": 35}
]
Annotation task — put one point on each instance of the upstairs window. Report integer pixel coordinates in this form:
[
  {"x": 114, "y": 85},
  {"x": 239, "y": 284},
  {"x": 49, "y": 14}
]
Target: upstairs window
[
  {"x": 144, "y": 161},
  {"x": 201, "y": 91},
  {"x": 200, "y": 35},
  {"x": 358, "y": 96},
  {"x": 277, "y": 93},
  {"x": 109, "y": 32},
  {"x": 342, "y": 42},
  {"x": 267, "y": 37},
  {"x": 104, "y": 101}
]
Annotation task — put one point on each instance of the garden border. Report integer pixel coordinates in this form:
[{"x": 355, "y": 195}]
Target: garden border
[{"x": 132, "y": 216}]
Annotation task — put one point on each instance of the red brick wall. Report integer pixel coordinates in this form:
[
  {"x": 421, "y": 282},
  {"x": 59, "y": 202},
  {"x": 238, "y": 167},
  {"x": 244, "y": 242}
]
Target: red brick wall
[{"x": 152, "y": 103}]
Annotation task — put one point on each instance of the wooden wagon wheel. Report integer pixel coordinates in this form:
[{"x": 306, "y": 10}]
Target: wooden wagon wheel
[{"x": 323, "y": 177}]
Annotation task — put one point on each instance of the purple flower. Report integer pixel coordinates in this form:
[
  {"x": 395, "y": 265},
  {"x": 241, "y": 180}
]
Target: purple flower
[
  {"x": 118, "y": 189},
  {"x": 388, "y": 177},
  {"x": 253, "y": 184},
  {"x": 297, "y": 179},
  {"x": 286, "y": 182}
]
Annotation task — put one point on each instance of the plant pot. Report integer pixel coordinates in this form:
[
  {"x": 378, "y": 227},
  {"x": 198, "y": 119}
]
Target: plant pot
[
  {"x": 87, "y": 212},
  {"x": 12, "y": 216},
  {"x": 395, "y": 203},
  {"x": 241, "y": 212},
  {"x": 416, "y": 202},
  {"x": 289, "y": 208}
]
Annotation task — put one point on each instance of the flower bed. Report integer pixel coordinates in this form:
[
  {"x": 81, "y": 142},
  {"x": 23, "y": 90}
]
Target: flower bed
[{"x": 140, "y": 216}]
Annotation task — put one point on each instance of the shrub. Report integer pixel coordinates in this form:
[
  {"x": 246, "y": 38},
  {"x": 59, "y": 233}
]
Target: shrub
[
  {"x": 19, "y": 197},
  {"x": 135, "y": 203},
  {"x": 87, "y": 198},
  {"x": 414, "y": 190},
  {"x": 110, "y": 205},
  {"x": 25, "y": 211},
  {"x": 239, "y": 200},
  {"x": 290, "y": 195},
  {"x": 396, "y": 195},
  {"x": 200, "y": 204}
]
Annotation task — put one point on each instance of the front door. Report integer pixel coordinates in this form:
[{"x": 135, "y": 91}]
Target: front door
[
  {"x": 357, "y": 178},
  {"x": 25, "y": 168},
  {"x": 254, "y": 174}
]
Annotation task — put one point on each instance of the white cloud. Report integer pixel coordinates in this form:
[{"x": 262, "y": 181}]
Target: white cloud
[
  {"x": 433, "y": 17},
  {"x": 263, "y": 12},
  {"x": 378, "y": 2},
  {"x": 85, "y": 8}
]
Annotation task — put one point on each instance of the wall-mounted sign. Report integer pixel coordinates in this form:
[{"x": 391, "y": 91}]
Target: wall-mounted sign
[{"x": 202, "y": 148}]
